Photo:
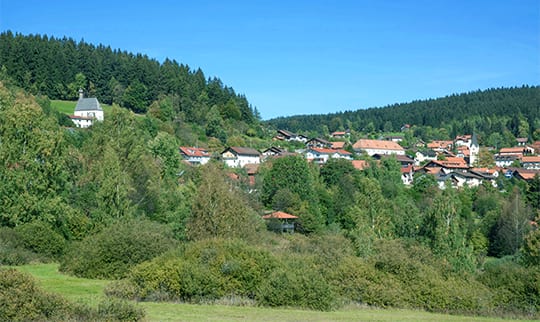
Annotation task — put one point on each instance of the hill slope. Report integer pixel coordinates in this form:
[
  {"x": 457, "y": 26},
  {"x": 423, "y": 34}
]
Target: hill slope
[{"x": 461, "y": 113}]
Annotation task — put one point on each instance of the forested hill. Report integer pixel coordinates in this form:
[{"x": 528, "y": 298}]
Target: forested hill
[
  {"x": 463, "y": 113},
  {"x": 57, "y": 68}
]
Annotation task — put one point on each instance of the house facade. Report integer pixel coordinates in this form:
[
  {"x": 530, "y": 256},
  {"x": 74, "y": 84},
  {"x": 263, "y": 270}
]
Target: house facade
[
  {"x": 321, "y": 156},
  {"x": 531, "y": 162},
  {"x": 237, "y": 157}
]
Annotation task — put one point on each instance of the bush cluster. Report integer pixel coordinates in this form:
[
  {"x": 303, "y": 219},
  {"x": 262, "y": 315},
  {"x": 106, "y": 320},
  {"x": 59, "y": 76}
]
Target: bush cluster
[
  {"x": 322, "y": 273},
  {"x": 113, "y": 251}
]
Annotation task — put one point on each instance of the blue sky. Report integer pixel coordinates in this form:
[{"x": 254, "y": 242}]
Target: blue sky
[{"x": 313, "y": 57}]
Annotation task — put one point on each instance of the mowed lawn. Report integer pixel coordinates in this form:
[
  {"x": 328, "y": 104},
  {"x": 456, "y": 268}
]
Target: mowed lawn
[{"x": 90, "y": 291}]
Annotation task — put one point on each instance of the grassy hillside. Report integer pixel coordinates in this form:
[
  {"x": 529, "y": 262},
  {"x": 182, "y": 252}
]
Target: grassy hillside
[
  {"x": 90, "y": 291},
  {"x": 68, "y": 107}
]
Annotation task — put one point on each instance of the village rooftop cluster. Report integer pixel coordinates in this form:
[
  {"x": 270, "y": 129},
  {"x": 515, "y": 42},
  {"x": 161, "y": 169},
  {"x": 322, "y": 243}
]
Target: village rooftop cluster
[{"x": 454, "y": 162}]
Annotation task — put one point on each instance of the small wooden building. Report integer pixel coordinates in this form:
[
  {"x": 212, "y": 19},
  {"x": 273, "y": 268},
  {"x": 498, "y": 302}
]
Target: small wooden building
[{"x": 280, "y": 221}]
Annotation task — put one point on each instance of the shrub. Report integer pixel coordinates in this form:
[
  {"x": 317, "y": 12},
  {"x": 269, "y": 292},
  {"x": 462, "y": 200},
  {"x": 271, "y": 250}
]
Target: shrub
[
  {"x": 203, "y": 271},
  {"x": 22, "y": 300},
  {"x": 113, "y": 251},
  {"x": 295, "y": 284},
  {"x": 40, "y": 238},
  {"x": 12, "y": 251},
  {"x": 119, "y": 310},
  {"x": 516, "y": 288}
]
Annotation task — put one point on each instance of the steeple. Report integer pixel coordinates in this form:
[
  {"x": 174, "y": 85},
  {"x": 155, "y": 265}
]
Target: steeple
[{"x": 81, "y": 94}]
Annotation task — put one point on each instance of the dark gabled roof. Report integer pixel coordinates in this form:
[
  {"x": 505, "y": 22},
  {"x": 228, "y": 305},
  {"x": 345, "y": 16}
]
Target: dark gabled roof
[
  {"x": 287, "y": 133},
  {"x": 88, "y": 104},
  {"x": 242, "y": 151},
  {"x": 323, "y": 141},
  {"x": 274, "y": 149}
]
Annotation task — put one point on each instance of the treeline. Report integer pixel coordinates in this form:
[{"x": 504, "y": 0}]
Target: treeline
[
  {"x": 58, "y": 67},
  {"x": 512, "y": 110}
]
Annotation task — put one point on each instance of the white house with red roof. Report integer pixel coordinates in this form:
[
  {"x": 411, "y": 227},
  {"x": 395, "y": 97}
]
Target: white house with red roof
[
  {"x": 372, "y": 147},
  {"x": 322, "y": 155},
  {"x": 195, "y": 156}
]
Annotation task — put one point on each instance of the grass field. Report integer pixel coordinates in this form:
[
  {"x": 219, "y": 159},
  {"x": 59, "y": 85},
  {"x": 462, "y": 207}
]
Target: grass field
[
  {"x": 68, "y": 107},
  {"x": 91, "y": 292}
]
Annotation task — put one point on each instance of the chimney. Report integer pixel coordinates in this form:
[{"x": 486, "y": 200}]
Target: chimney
[{"x": 81, "y": 94}]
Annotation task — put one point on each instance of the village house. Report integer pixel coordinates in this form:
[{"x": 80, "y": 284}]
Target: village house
[
  {"x": 339, "y": 134},
  {"x": 451, "y": 164},
  {"x": 531, "y": 162},
  {"x": 459, "y": 179},
  {"x": 318, "y": 143},
  {"x": 87, "y": 111},
  {"x": 321, "y": 156},
  {"x": 290, "y": 136},
  {"x": 338, "y": 145},
  {"x": 407, "y": 174},
  {"x": 195, "y": 156},
  {"x": 372, "y": 147},
  {"x": 440, "y": 145},
  {"x": 521, "y": 141},
  {"x": 422, "y": 156},
  {"x": 504, "y": 161},
  {"x": 463, "y": 140},
  {"x": 237, "y": 157},
  {"x": 272, "y": 151}
]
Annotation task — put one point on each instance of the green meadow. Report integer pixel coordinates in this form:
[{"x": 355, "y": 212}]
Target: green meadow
[
  {"x": 90, "y": 291},
  {"x": 68, "y": 107}
]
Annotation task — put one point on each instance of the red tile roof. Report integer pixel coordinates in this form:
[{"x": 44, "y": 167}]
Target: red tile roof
[
  {"x": 330, "y": 151},
  {"x": 530, "y": 159},
  {"x": 194, "y": 152},
  {"x": 377, "y": 144},
  {"x": 360, "y": 164},
  {"x": 279, "y": 215},
  {"x": 338, "y": 145}
]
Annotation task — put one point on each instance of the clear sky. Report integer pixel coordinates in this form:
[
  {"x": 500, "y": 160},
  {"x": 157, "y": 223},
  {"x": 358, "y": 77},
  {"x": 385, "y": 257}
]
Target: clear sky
[{"x": 312, "y": 56}]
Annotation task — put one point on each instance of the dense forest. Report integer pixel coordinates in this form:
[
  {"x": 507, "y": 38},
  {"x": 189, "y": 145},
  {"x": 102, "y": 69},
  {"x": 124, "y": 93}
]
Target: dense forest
[
  {"x": 115, "y": 201},
  {"x": 57, "y": 68},
  {"x": 514, "y": 111}
]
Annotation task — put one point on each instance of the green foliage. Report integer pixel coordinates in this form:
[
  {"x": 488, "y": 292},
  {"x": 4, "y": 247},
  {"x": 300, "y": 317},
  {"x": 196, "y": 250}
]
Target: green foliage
[
  {"x": 113, "y": 251},
  {"x": 219, "y": 209},
  {"x": 40, "y": 238},
  {"x": 22, "y": 300},
  {"x": 530, "y": 252},
  {"x": 511, "y": 112},
  {"x": 119, "y": 310},
  {"x": 293, "y": 284},
  {"x": 515, "y": 289},
  {"x": 204, "y": 270},
  {"x": 12, "y": 250}
]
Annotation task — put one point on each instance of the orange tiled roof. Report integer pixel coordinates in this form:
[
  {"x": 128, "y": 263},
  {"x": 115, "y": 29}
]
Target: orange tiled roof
[
  {"x": 360, "y": 164},
  {"x": 530, "y": 159},
  {"x": 338, "y": 145},
  {"x": 279, "y": 215},
  {"x": 440, "y": 144},
  {"x": 515, "y": 150},
  {"x": 330, "y": 151},
  {"x": 377, "y": 144}
]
